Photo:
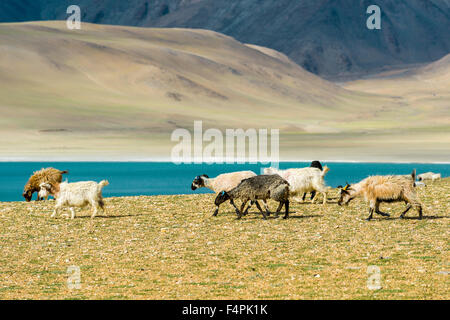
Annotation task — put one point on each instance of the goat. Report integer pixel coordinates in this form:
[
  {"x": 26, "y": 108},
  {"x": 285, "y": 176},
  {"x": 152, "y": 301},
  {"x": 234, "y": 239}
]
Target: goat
[
  {"x": 48, "y": 175},
  {"x": 79, "y": 194},
  {"x": 256, "y": 188},
  {"x": 378, "y": 189},
  {"x": 303, "y": 180},
  {"x": 223, "y": 182}
]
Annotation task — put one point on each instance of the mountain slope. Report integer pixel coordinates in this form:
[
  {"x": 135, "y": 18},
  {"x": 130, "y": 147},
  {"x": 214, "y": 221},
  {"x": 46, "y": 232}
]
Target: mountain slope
[
  {"x": 425, "y": 87},
  {"x": 109, "y": 90},
  {"x": 327, "y": 37}
]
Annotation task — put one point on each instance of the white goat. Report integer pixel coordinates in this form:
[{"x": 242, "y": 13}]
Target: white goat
[
  {"x": 79, "y": 194},
  {"x": 223, "y": 182},
  {"x": 303, "y": 180}
]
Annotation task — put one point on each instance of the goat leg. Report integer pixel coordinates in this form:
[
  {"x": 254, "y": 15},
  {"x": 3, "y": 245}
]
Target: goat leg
[
  {"x": 216, "y": 212},
  {"x": 409, "y": 206},
  {"x": 377, "y": 210},
  {"x": 384, "y": 214},
  {"x": 370, "y": 214},
  {"x": 420, "y": 212}
]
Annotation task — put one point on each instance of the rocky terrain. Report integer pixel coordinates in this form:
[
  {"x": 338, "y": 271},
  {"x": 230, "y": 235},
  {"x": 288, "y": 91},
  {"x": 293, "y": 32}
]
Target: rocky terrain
[{"x": 327, "y": 37}]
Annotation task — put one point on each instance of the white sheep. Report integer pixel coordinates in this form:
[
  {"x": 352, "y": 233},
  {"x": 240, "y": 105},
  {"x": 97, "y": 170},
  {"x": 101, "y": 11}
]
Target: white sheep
[
  {"x": 223, "y": 182},
  {"x": 436, "y": 176},
  {"x": 303, "y": 180},
  {"x": 429, "y": 176},
  {"x": 79, "y": 194}
]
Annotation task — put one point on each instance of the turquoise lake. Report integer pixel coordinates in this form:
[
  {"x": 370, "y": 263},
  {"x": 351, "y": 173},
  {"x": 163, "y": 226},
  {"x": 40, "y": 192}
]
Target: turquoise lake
[{"x": 162, "y": 178}]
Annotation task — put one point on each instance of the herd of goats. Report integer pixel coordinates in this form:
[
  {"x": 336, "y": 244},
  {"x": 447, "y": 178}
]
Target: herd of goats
[{"x": 275, "y": 184}]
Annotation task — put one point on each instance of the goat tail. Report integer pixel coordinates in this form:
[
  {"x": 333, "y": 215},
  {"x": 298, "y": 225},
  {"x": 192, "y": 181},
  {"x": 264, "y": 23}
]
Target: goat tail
[
  {"x": 103, "y": 183},
  {"x": 64, "y": 172},
  {"x": 325, "y": 170}
]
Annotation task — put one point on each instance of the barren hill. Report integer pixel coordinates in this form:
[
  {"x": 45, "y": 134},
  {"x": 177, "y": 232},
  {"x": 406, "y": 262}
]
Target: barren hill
[
  {"x": 111, "y": 91},
  {"x": 327, "y": 37}
]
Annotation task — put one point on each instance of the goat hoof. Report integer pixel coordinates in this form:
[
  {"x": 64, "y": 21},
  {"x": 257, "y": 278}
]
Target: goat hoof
[{"x": 368, "y": 219}]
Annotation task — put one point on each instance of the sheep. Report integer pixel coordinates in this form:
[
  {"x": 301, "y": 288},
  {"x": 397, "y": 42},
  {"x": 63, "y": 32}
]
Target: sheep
[
  {"x": 48, "y": 175},
  {"x": 303, "y": 180},
  {"x": 256, "y": 188},
  {"x": 436, "y": 176},
  {"x": 223, "y": 182},
  {"x": 79, "y": 194},
  {"x": 429, "y": 176},
  {"x": 378, "y": 189},
  {"x": 318, "y": 165}
]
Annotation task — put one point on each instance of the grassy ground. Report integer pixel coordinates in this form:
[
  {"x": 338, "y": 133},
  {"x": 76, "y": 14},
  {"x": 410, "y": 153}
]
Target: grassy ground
[{"x": 169, "y": 247}]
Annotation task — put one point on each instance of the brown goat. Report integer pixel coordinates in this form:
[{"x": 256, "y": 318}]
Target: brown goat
[
  {"x": 378, "y": 189},
  {"x": 50, "y": 175}
]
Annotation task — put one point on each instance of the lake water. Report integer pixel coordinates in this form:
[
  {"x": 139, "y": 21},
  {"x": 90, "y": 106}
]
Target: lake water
[{"x": 162, "y": 178}]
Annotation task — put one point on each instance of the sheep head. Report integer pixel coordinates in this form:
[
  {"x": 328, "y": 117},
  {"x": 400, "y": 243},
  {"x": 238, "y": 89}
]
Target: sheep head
[{"x": 199, "y": 182}]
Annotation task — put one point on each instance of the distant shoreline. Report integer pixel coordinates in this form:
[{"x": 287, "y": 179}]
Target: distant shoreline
[{"x": 165, "y": 160}]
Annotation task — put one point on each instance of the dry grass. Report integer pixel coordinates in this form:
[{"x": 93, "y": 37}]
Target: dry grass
[{"x": 169, "y": 247}]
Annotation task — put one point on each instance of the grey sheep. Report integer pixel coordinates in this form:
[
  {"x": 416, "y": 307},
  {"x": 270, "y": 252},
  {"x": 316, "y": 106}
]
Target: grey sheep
[{"x": 256, "y": 188}]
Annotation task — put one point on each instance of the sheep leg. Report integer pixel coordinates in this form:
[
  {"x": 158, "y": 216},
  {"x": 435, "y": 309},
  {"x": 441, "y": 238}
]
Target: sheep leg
[
  {"x": 304, "y": 197},
  {"x": 280, "y": 206},
  {"x": 409, "y": 206},
  {"x": 243, "y": 206},
  {"x": 239, "y": 214},
  {"x": 259, "y": 207},
  {"x": 266, "y": 207},
  {"x": 286, "y": 205},
  {"x": 313, "y": 194},
  {"x": 248, "y": 207}
]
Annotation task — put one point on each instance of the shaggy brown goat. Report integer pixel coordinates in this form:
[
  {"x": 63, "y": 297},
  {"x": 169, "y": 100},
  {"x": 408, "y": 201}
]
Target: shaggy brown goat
[
  {"x": 378, "y": 189},
  {"x": 50, "y": 175}
]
